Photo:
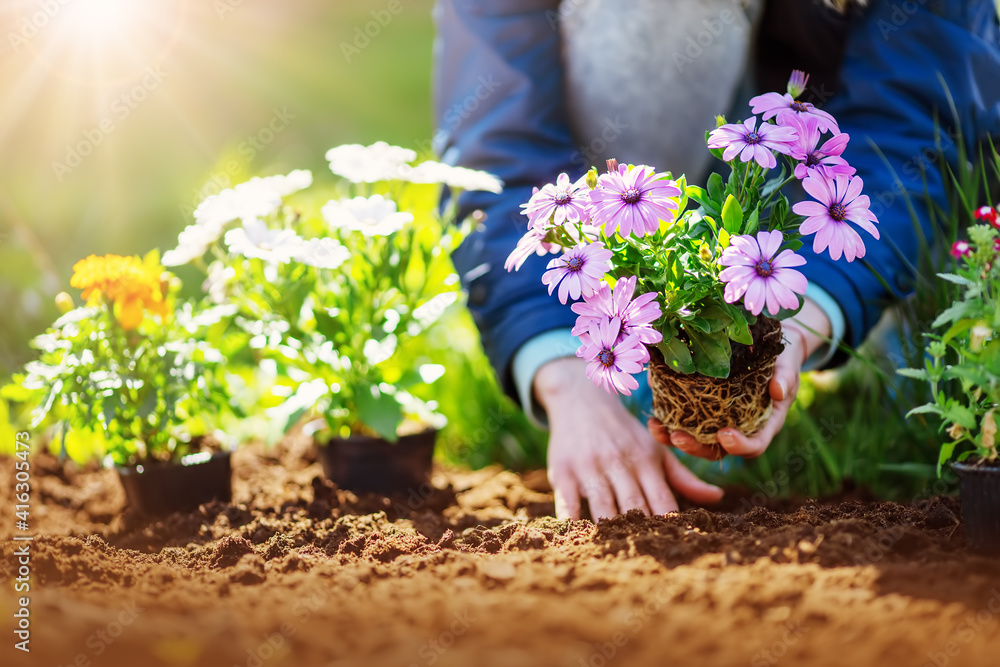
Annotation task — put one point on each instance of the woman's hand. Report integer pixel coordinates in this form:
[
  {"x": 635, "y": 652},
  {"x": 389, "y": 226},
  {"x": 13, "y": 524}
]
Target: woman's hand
[
  {"x": 803, "y": 335},
  {"x": 599, "y": 451}
]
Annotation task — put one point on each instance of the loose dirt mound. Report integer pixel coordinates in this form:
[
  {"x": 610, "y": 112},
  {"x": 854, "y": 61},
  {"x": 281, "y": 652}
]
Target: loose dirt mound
[{"x": 474, "y": 572}]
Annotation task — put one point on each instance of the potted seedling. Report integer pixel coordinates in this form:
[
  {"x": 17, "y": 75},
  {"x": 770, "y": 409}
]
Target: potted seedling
[
  {"x": 693, "y": 281},
  {"x": 963, "y": 371},
  {"x": 131, "y": 364},
  {"x": 335, "y": 296}
]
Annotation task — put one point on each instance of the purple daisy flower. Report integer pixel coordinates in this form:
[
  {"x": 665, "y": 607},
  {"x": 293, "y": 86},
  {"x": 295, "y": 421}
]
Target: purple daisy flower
[
  {"x": 561, "y": 202},
  {"x": 532, "y": 243},
  {"x": 633, "y": 201},
  {"x": 636, "y": 314},
  {"x": 579, "y": 271},
  {"x": 757, "y": 270},
  {"x": 613, "y": 359},
  {"x": 839, "y": 201},
  {"x": 785, "y": 106},
  {"x": 812, "y": 158},
  {"x": 751, "y": 142}
]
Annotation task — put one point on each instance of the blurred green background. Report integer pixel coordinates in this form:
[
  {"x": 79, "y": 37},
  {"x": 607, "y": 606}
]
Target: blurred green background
[
  {"x": 119, "y": 117},
  {"x": 198, "y": 96}
]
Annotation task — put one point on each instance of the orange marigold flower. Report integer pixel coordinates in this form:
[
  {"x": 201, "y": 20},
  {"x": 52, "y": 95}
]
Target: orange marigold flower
[{"x": 130, "y": 285}]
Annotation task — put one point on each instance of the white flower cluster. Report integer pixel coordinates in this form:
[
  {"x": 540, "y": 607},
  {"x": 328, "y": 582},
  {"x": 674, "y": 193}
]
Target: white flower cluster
[
  {"x": 247, "y": 202},
  {"x": 382, "y": 162},
  {"x": 259, "y": 198}
]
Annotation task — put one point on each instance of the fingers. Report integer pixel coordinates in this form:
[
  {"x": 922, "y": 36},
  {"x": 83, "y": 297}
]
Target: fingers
[
  {"x": 627, "y": 491},
  {"x": 687, "y": 483},
  {"x": 683, "y": 441},
  {"x": 654, "y": 486},
  {"x": 738, "y": 444},
  {"x": 567, "y": 495},
  {"x": 599, "y": 495}
]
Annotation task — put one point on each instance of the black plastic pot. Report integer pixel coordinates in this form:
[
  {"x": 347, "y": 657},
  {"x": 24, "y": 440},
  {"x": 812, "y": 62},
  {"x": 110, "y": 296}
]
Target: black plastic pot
[
  {"x": 364, "y": 464},
  {"x": 158, "y": 489},
  {"x": 979, "y": 487}
]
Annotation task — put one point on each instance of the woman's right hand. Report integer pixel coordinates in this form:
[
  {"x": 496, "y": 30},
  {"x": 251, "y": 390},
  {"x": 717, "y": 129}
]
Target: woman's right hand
[{"x": 599, "y": 451}]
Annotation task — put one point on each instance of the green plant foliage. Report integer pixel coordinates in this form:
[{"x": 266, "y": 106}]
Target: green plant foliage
[
  {"x": 126, "y": 392},
  {"x": 327, "y": 298},
  {"x": 963, "y": 363}
]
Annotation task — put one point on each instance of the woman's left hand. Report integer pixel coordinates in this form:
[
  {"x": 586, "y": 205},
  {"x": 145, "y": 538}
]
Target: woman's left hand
[{"x": 804, "y": 334}]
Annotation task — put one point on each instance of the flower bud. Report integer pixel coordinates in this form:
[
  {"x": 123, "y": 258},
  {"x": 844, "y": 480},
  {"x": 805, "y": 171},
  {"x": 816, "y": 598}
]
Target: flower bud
[
  {"x": 980, "y": 332},
  {"x": 797, "y": 83},
  {"x": 936, "y": 349},
  {"x": 719, "y": 121},
  {"x": 955, "y": 431},
  {"x": 592, "y": 178},
  {"x": 612, "y": 165},
  {"x": 705, "y": 253},
  {"x": 64, "y": 302}
]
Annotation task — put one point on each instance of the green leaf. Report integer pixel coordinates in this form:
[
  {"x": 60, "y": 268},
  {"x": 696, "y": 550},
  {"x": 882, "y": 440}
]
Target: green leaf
[
  {"x": 955, "y": 312},
  {"x": 957, "y": 328},
  {"x": 732, "y": 215},
  {"x": 739, "y": 330},
  {"x": 961, "y": 415},
  {"x": 379, "y": 411},
  {"x": 110, "y": 407},
  {"x": 753, "y": 222},
  {"x": 947, "y": 450},
  {"x": 955, "y": 278},
  {"x": 711, "y": 352},
  {"x": 677, "y": 355},
  {"x": 702, "y": 197},
  {"x": 715, "y": 188},
  {"x": 710, "y": 318},
  {"x": 915, "y": 373},
  {"x": 930, "y": 408},
  {"x": 779, "y": 211},
  {"x": 148, "y": 405}
]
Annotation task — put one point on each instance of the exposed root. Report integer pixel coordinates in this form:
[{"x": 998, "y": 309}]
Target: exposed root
[{"x": 702, "y": 405}]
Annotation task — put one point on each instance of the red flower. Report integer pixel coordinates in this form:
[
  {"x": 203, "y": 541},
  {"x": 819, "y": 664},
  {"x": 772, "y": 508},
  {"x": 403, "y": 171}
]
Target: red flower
[
  {"x": 960, "y": 249},
  {"x": 987, "y": 214}
]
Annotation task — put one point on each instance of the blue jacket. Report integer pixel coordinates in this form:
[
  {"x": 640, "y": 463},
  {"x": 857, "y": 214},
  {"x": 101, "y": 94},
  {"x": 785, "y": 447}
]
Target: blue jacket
[{"x": 500, "y": 108}]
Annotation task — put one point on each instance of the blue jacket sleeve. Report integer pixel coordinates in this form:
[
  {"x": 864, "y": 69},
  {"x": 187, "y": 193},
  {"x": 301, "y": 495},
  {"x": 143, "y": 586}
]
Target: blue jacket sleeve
[
  {"x": 500, "y": 107},
  {"x": 905, "y": 63}
]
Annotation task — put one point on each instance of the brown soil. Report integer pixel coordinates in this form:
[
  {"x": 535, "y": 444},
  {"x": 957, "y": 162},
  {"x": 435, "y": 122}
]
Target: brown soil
[{"x": 297, "y": 572}]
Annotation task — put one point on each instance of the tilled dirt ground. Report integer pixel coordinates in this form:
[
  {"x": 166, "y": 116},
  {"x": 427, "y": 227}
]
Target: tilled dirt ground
[{"x": 474, "y": 573}]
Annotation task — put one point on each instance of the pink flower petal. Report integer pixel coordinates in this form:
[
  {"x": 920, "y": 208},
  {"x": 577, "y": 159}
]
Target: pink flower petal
[
  {"x": 769, "y": 243},
  {"x": 792, "y": 279}
]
